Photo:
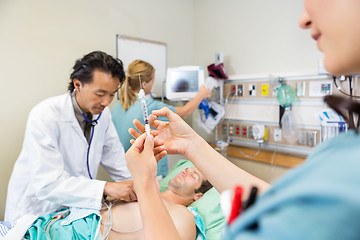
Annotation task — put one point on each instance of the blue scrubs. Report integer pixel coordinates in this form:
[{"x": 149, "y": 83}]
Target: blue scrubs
[
  {"x": 123, "y": 120},
  {"x": 319, "y": 200}
]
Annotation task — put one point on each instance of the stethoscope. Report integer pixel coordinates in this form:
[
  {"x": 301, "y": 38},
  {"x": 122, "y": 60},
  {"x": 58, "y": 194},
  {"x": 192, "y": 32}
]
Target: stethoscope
[{"x": 93, "y": 124}]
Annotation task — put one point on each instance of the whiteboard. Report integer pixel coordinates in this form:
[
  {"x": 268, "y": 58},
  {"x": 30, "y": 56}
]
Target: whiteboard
[{"x": 129, "y": 49}]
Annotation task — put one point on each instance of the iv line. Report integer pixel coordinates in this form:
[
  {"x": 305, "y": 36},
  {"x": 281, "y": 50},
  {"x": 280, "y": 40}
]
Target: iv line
[{"x": 108, "y": 223}]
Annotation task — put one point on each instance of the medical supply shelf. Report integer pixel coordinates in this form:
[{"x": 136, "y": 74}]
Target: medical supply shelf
[{"x": 272, "y": 158}]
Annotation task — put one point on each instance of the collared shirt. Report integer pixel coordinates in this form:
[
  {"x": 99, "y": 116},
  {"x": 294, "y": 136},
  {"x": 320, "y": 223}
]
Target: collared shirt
[{"x": 85, "y": 126}]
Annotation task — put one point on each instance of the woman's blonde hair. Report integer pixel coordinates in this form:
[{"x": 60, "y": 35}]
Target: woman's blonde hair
[{"x": 132, "y": 83}]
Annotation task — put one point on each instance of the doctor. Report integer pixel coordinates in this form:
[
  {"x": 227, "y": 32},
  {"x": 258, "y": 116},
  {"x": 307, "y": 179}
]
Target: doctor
[{"x": 66, "y": 139}]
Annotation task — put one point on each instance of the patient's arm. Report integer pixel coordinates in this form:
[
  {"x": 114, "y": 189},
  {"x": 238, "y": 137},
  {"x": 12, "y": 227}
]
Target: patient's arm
[
  {"x": 219, "y": 171},
  {"x": 156, "y": 219},
  {"x": 183, "y": 219}
]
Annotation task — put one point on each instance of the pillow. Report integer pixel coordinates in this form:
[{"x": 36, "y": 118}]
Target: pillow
[{"x": 208, "y": 206}]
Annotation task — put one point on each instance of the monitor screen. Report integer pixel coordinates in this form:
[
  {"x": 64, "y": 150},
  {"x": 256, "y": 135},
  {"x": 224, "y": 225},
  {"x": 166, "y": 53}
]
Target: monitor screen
[{"x": 182, "y": 83}]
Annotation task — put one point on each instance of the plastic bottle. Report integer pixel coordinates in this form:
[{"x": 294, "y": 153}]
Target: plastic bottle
[{"x": 290, "y": 129}]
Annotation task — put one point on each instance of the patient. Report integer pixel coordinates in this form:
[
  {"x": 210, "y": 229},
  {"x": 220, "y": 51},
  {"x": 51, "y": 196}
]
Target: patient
[{"x": 186, "y": 187}]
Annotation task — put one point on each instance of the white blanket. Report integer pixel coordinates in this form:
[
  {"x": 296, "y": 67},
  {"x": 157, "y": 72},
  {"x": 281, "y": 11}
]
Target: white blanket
[{"x": 20, "y": 228}]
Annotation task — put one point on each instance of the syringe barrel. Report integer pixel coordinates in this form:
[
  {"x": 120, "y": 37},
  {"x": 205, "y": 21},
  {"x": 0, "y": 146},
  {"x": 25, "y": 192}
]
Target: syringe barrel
[{"x": 144, "y": 110}]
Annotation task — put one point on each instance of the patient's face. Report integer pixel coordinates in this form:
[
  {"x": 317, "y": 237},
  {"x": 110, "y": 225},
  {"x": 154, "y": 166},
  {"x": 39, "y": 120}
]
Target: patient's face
[{"x": 186, "y": 182}]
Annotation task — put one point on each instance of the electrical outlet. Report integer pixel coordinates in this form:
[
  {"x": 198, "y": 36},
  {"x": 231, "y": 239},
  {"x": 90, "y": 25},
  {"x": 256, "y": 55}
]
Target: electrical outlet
[
  {"x": 275, "y": 90},
  {"x": 244, "y": 131},
  {"x": 302, "y": 139},
  {"x": 250, "y": 132},
  {"x": 264, "y": 89},
  {"x": 239, "y": 90},
  {"x": 237, "y": 130},
  {"x": 252, "y": 90},
  {"x": 224, "y": 129},
  {"x": 231, "y": 130},
  {"x": 277, "y": 135},
  {"x": 300, "y": 89},
  {"x": 266, "y": 133},
  {"x": 233, "y": 90},
  {"x": 311, "y": 138}
]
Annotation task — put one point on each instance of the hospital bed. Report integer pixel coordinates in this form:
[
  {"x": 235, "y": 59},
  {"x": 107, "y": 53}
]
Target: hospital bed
[{"x": 207, "y": 206}]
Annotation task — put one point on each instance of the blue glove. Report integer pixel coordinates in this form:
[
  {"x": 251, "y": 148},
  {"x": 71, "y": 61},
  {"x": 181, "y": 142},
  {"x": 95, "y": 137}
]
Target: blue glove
[{"x": 204, "y": 105}]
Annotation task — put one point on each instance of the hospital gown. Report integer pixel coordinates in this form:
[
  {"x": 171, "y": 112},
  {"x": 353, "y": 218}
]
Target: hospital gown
[{"x": 81, "y": 223}]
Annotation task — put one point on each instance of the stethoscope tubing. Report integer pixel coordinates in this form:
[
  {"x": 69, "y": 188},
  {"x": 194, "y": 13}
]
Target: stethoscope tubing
[{"x": 93, "y": 124}]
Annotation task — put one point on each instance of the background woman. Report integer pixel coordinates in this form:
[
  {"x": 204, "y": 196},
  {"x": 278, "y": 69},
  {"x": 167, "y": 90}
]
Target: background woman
[{"x": 128, "y": 107}]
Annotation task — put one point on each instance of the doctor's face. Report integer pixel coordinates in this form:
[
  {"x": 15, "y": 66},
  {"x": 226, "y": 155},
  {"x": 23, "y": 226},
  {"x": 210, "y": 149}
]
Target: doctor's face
[
  {"x": 334, "y": 24},
  {"x": 95, "y": 96}
]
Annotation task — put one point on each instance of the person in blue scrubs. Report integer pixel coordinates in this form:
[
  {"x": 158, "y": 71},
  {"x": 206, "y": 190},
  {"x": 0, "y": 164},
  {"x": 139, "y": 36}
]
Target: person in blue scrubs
[
  {"x": 128, "y": 107},
  {"x": 317, "y": 200}
]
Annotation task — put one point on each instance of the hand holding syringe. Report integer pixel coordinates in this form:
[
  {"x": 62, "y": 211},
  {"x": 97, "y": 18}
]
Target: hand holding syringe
[{"x": 144, "y": 108}]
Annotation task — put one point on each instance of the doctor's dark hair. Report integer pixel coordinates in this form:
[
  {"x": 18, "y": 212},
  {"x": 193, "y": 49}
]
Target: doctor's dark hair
[{"x": 97, "y": 60}]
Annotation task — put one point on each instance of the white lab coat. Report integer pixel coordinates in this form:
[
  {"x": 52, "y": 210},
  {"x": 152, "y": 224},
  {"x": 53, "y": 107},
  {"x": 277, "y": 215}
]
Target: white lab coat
[{"x": 51, "y": 171}]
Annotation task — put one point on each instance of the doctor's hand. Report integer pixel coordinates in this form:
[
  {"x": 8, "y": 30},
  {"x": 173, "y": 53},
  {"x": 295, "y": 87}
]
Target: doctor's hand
[
  {"x": 141, "y": 161},
  {"x": 121, "y": 190},
  {"x": 176, "y": 134}
]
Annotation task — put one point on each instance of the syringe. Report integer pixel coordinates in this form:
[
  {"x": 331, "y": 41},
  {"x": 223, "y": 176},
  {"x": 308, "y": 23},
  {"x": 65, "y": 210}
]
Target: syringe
[{"x": 144, "y": 109}]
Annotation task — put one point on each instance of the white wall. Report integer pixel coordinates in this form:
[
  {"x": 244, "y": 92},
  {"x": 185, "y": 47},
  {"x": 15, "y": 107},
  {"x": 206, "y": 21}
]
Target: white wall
[
  {"x": 256, "y": 36},
  {"x": 40, "y": 41}
]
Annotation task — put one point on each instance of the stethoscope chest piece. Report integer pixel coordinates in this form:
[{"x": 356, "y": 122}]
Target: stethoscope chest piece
[{"x": 94, "y": 123}]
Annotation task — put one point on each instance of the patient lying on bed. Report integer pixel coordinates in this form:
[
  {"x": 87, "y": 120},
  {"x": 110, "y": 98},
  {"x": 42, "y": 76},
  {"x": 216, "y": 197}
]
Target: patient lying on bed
[{"x": 124, "y": 222}]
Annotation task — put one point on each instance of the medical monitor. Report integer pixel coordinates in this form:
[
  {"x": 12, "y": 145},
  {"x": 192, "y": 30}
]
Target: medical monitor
[{"x": 183, "y": 83}]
